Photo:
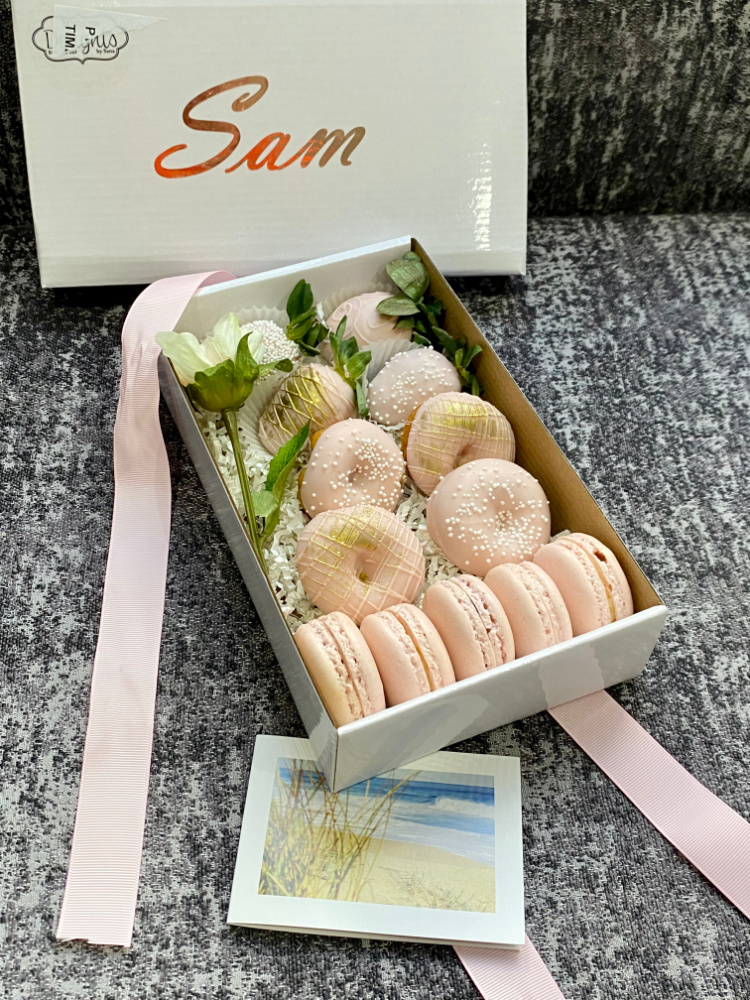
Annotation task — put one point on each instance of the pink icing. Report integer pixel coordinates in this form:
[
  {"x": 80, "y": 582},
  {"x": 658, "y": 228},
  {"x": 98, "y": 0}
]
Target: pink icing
[
  {"x": 353, "y": 462},
  {"x": 364, "y": 322},
  {"x": 406, "y": 381},
  {"x": 488, "y": 512}
]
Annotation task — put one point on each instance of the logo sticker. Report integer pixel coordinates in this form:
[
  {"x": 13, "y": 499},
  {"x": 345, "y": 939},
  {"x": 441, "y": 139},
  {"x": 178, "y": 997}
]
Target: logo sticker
[
  {"x": 65, "y": 40},
  {"x": 76, "y": 34}
]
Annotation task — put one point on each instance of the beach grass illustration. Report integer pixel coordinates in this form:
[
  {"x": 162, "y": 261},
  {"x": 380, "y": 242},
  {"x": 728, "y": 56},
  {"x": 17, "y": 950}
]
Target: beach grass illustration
[{"x": 409, "y": 838}]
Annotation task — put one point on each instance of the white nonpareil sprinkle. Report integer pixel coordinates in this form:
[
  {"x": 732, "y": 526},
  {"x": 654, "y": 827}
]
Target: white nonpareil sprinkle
[
  {"x": 276, "y": 344},
  {"x": 281, "y": 550}
]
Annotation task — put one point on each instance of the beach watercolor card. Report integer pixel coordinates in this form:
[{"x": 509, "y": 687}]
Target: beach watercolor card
[{"x": 428, "y": 852}]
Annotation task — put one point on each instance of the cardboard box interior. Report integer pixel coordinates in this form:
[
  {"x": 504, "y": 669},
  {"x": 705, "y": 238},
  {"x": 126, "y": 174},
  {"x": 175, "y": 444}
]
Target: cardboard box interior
[{"x": 524, "y": 686}]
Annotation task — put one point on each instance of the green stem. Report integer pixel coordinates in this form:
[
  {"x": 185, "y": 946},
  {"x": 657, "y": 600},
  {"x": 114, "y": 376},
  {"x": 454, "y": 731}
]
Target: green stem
[{"x": 230, "y": 422}]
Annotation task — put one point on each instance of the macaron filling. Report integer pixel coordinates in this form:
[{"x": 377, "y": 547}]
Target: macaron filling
[
  {"x": 542, "y": 601},
  {"x": 325, "y": 634},
  {"x": 490, "y": 623},
  {"x": 602, "y": 573},
  {"x": 480, "y": 627}
]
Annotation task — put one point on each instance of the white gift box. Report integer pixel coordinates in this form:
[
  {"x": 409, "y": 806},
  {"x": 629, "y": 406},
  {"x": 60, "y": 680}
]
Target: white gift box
[
  {"x": 175, "y": 136},
  {"x": 524, "y": 686}
]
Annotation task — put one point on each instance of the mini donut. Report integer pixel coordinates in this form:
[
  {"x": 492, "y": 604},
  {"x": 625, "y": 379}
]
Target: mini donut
[
  {"x": 352, "y": 462},
  {"x": 364, "y": 322},
  {"x": 450, "y": 430},
  {"x": 359, "y": 560},
  {"x": 311, "y": 392},
  {"x": 488, "y": 512},
  {"x": 407, "y": 380}
]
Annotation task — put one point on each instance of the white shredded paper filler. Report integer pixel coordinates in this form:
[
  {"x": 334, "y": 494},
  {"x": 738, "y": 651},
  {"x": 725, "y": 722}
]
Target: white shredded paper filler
[{"x": 281, "y": 550}]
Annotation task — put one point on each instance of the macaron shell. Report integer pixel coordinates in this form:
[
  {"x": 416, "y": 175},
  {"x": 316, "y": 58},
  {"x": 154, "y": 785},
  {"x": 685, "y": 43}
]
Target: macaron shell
[
  {"x": 409, "y": 652},
  {"x": 472, "y": 624},
  {"x": 435, "y": 657},
  {"x": 460, "y": 629},
  {"x": 399, "y": 663},
  {"x": 534, "y": 606},
  {"x": 613, "y": 574},
  {"x": 341, "y": 667},
  {"x": 493, "y": 616},
  {"x": 590, "y": 579},
  {"x": 359, "y": 661}
]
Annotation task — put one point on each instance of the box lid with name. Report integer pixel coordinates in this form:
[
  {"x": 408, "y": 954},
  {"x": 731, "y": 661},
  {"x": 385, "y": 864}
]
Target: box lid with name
[{"x": 180, "y": 135}]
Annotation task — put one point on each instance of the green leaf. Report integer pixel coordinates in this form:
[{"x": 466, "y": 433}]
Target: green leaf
[
  {"x": 282, "y": 461},
  {"x": 264, "y": 503},
  {"x": 433, "y": 308},
  {"x": 283, "y": 365},
  {"x": 419, "y": 339},
  {"x": 219, "y": 388},
  {"x": 300, "y": 300},
  {"x": 398, "y": 305},
  {"x": 472, "y": 353},
  {"x": 449, "y": 344},
  {"x": 410, "y": 275},
  {"x": 311, "y": 352},
  {"x": 356, "y": 366},
  {"x": 407, "y": 323},
  {"x": 301, "y": 326},
  {"x": 362, "y": 408},
  {"x": 245, "y": 364}
]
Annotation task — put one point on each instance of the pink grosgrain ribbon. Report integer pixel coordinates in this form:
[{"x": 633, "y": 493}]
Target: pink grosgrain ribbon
[
  {"x": 710, "y": 834},
  {"x": 105, "y": 859},
  {"x": 102, "y": 885},
  {"x": 509, "y": 975}
]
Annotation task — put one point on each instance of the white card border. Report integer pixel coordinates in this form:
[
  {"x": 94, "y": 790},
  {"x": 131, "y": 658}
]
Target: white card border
[{"x": 504, "y": 928}]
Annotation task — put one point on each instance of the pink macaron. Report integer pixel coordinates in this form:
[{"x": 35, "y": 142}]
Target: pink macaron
[
  {"x": 590, "y": 579},
  {"x": 472, "y": 624},
  {"x": 411, "y": 656},
  {"x": 341, "y": 666},
  {"x": 534, "y": 606}
]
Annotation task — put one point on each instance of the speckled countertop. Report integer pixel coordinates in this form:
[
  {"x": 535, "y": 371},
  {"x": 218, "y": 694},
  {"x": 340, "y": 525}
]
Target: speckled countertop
[{"x": 632, "y": 339}]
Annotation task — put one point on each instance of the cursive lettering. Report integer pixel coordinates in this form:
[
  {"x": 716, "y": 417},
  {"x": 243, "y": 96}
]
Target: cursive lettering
[{"x": 265, "y": 153}]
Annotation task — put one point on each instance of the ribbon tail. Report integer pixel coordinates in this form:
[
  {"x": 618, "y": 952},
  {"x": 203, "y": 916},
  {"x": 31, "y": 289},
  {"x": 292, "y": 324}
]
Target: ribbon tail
[
  {"x": 712, "y": 836},
  {"x": 101, "y": 890},
  {"x": 501, "y": 974}
]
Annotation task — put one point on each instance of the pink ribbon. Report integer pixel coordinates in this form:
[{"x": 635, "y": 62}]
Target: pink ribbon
[
  {"x": 510, "y": 975},
  {"x": 102, "y": 884},
  {"x": 710, "y": 834},
  {"x": 105, "y": 859}
]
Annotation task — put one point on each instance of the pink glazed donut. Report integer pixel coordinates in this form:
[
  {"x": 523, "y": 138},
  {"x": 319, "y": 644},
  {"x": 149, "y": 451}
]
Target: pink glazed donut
[
  {"x": 352, "y": 462},
  {"x": 359, "y": 560},
  {"x": 486, "y": 513},
  {"x": 451, "y": 430}
]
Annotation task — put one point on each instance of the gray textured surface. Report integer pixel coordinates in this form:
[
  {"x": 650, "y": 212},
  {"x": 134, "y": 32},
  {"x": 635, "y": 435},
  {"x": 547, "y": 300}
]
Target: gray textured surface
[
  {"x": 632, "y": 339},
  {"x": 639, "y": 106}
]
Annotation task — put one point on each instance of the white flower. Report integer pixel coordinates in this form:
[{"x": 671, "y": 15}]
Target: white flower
[{"x": 190, "y": 355}]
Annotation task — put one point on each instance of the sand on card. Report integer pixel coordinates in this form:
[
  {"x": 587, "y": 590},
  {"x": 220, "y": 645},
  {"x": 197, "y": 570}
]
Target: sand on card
[{"x": 400, "y": 873}]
